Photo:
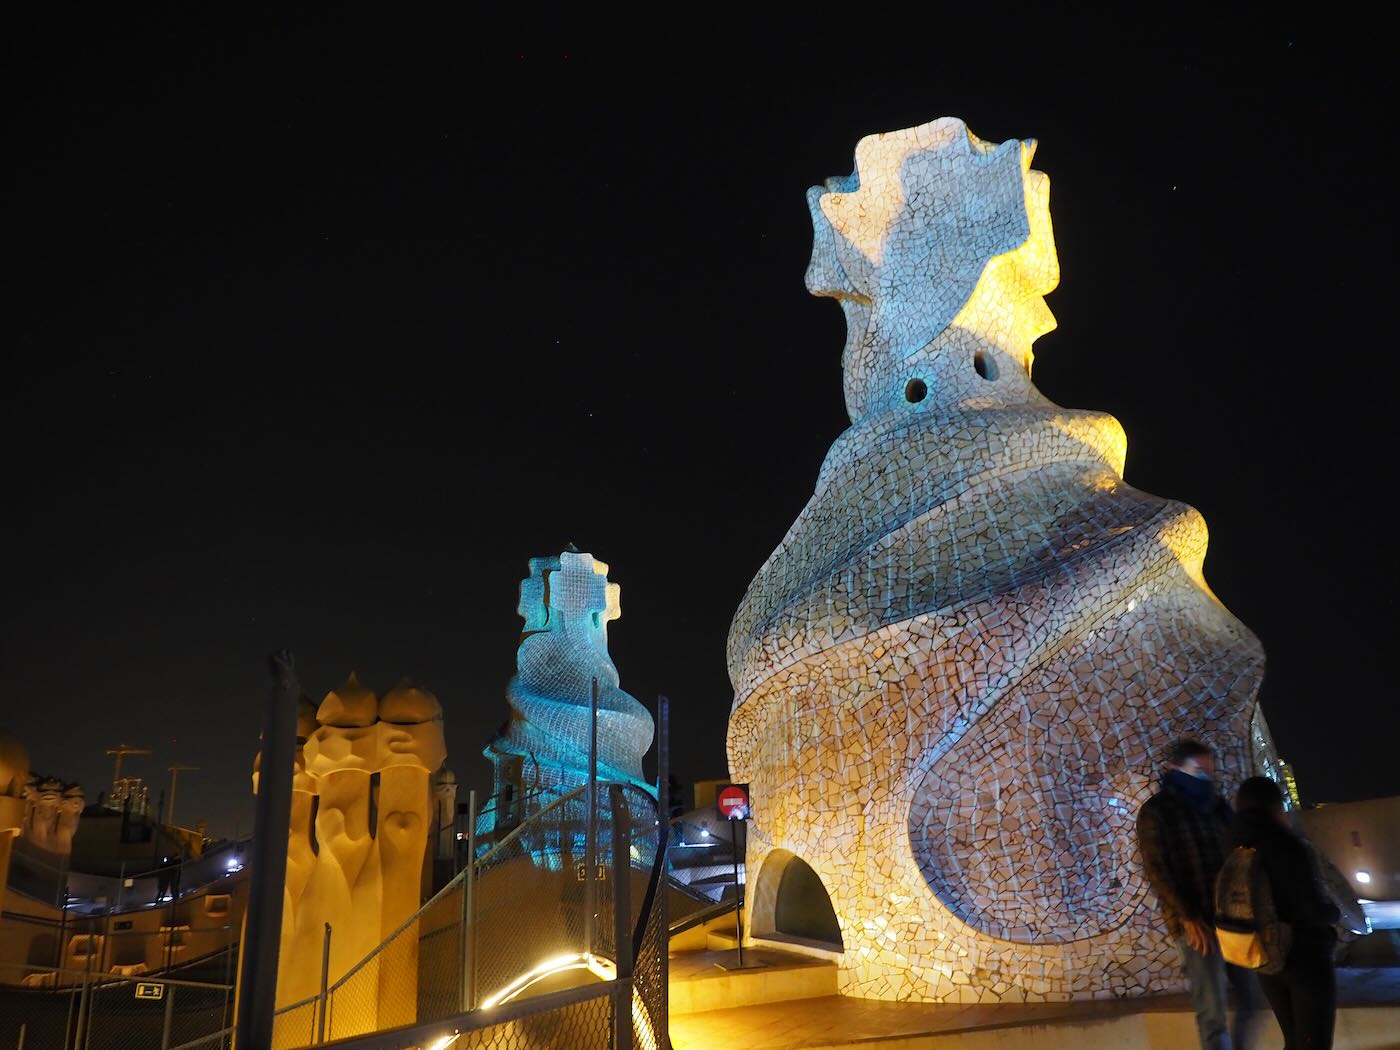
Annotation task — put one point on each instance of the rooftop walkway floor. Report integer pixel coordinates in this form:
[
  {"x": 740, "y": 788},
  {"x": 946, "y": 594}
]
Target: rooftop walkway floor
[{"x": 1370, "y": 1020}]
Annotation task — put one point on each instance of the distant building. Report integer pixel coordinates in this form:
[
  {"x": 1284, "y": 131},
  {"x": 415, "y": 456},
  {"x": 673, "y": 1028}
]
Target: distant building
[
  {"x": 1362, "y": 839},
  {"x": 131, "y": 795}
]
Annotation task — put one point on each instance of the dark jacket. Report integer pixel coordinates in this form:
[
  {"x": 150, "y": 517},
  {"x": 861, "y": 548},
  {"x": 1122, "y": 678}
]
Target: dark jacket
[
  {"x": 1183, "y": 850},
  {"x": 1299, "y": 898}
]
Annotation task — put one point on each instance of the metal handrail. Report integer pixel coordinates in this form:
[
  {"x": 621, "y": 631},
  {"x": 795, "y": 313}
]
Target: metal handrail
[
  {"x": 460, "y": 877},
  {"x": 104, "y": 979},
  {"x": 524, "y": 825},
  {"x": 704, "y": 915},
  {"x": 223, "y": 1033},
  {"x": 473, "y": 1020}
]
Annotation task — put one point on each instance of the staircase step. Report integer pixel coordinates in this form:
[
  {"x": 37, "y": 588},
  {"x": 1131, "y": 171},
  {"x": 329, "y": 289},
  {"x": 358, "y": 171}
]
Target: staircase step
[
  {"x": 720, "y": 940},
  {"x": 699, "y": 982}
]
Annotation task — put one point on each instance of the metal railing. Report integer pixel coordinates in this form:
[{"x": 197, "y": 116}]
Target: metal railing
[
  {"x": 136, "y": 884},
  {"x": 531, "y": 945},
  {"x": 102, "y": 983},
  {"x": 531, "y": 914},
  {"x": 65, "y": 1009}
]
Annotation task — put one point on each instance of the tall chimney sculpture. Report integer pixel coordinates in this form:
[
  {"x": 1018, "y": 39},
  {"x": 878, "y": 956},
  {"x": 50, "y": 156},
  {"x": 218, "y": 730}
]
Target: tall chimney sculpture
[
  {"x": 541, "y": 751},
  {"x": 954, "y": 675},
  {"x": 362, "y": 818}
]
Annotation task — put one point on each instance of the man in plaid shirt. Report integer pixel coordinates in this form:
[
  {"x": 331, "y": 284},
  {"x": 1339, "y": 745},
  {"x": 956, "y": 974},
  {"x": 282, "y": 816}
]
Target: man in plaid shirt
[{"x": 1184, "y": 835}]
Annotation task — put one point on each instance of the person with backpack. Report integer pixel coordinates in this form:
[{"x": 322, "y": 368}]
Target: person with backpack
[
  {"x": 1184, "y": 835},
  {"x": 1278, "y": 886}
]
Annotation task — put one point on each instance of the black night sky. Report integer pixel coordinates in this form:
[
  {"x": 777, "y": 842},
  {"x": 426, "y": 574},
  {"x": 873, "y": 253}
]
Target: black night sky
[{"x": 318, "y": 331}]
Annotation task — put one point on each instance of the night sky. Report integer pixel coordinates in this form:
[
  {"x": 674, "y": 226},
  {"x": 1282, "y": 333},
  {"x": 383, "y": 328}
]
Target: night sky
[{"x": 318, "y": 332}]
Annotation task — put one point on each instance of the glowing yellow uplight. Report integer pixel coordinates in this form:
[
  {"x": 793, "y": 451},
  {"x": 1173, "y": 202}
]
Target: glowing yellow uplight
[{"x": 601, "y": 968}]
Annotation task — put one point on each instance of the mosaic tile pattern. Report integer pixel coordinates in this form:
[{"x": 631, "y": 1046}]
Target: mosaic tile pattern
[
  {"x": 956, "y": 674},
  {"x": 566, "y": 603}
]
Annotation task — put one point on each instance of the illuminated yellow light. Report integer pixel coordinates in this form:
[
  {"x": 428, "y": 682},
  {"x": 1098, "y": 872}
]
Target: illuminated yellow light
[
  {"x": 601, "y": 968},
  {"x": 558, "y": 964}
]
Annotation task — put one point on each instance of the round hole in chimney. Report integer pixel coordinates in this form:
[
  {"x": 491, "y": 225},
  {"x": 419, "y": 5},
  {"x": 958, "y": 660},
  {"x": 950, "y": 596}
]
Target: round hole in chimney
[{"x": 986, "y": 367}]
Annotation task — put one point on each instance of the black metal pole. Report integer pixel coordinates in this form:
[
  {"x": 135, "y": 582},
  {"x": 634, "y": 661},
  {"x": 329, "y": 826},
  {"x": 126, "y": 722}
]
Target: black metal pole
[
  {"x": 257, "y": 979},
  {"x": 157, "y": 856},
  {"x": 738, "y": 922},
  {"x": 62, "y": 930},
  {"x": 663, "y": 843},
  {"x": 590, "y": 843},
  {"x": 622, "y": 918},
  {"x": 469, "y": 910}
]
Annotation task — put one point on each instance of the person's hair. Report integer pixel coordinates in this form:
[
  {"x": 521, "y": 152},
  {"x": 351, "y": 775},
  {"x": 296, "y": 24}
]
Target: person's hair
[
  {"x": 1258, "y": 794},
  {"x": 1187, "y": 748}
]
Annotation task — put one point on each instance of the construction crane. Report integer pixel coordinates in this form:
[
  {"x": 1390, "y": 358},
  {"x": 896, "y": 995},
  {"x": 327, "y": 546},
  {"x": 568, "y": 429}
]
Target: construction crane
[
  {"x": 121, "y": 751},
  {"x": 175, "y": 772}
]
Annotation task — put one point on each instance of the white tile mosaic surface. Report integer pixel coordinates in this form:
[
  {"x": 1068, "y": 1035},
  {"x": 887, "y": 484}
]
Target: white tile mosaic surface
[
  {"x": 956, "y": 674},
  {"x": 567, "y": 604}
]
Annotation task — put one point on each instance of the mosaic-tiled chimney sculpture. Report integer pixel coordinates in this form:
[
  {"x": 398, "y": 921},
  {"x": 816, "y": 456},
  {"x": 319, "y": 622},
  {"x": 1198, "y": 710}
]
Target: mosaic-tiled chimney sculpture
[
  {"x": 52, "y": 809},
  {"x": 956, "y": 673},
  {"x": 362, "y": 818},
  {"x": 542, "y": 750}
]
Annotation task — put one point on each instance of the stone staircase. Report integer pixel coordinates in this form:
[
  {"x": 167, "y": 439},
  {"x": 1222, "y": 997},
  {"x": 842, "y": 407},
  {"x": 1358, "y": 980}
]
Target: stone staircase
[{"x": 702, "y": 977}]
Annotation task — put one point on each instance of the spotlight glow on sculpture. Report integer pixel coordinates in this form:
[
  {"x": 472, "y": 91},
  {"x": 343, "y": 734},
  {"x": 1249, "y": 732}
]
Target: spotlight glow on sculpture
[
  {"x": 542, "y": 751},
  {"x": 954, "y": 674},
  {"x": 357, "y": 846}
]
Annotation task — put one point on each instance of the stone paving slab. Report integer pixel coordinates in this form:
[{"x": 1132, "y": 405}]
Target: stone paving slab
[{"x": 1370, "y": 1022}]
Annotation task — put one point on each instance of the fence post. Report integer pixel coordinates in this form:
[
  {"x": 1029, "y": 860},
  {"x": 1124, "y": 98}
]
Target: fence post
[
  {"x": 469, "y": 910},
  {"x": 84, "y": 995},
  {"x": 325, "y": 975},
  {"x": 622, "y": 919},
  {"x": 86, "y": 1030},
  {"x": 590, "y": 833},
  {"x": 663, "y": 843},
  {"x": 735, "y": 827},
  {"x": 262, "y": 917},
  {"x": 169, "y": 1016},
  {"x": 62, "y": 930}
]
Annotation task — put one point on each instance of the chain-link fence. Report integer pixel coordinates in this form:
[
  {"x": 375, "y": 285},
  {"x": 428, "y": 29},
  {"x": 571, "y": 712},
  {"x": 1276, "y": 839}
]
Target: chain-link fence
[
  {"x": 114, "y": 980},
  {"x": 535, "y": 920},
  {"x": 535, "y": 914},
  {"x": 575, "y": 1019},
  {"x": 585, "y": 1025},
  {"x": 89, "y": 1010}
]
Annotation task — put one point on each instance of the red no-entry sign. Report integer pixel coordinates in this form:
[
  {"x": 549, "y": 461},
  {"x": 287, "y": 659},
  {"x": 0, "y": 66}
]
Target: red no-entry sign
[{"x": 733, "y": 801}]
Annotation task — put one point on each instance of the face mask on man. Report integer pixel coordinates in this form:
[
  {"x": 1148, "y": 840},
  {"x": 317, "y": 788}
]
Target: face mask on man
[{"x": 1193, "y": 768}]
